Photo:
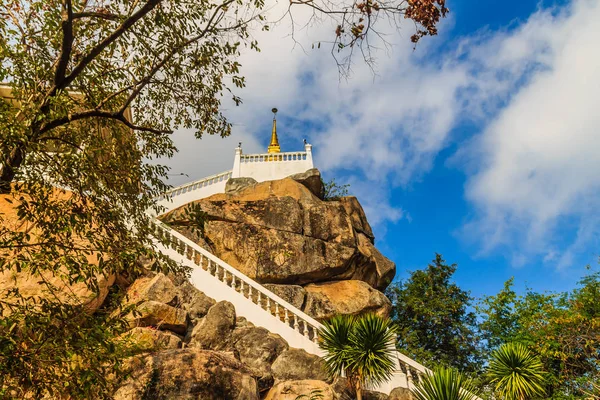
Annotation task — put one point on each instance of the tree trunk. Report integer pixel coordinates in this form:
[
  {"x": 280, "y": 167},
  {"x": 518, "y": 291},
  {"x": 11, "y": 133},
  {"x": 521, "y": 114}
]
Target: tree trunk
[
  {"x": 358, "y": 390},
  {"x": 10, "y": 167}
]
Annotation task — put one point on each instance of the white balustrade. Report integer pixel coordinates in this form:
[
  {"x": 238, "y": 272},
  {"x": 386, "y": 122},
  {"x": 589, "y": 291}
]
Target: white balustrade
[{"x": 270, "y": 157}]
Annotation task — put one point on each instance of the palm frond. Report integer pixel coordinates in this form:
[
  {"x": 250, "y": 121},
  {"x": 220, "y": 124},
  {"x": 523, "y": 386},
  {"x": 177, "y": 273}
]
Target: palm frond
[
  {"x": 444, "y": 384},
  {"x": 516, "y": 372},
  {"x": 372, "y": 351},
  {"x": 335, "y": 341}
]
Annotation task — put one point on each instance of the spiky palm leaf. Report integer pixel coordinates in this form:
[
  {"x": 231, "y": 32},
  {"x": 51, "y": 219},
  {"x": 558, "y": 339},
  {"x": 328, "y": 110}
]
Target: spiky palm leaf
[
  {"x": 444, "y": 384},
  {"x": 516, "y": 372},
  {"x": 361, "y": 347},
  {"x": 335, "y": 341},
  {"x": 372, "y": 350}
]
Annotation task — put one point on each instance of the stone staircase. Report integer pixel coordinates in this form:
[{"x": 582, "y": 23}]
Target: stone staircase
[{"x": 221, "y": 281}]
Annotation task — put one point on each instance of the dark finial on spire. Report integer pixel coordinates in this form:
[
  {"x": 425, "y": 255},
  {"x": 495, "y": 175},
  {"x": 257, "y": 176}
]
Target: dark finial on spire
[{"x": 274, "y": 111}]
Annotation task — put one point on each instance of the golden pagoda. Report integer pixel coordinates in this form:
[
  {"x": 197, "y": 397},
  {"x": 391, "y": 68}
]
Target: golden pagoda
[{"x": 274, "y": 146}]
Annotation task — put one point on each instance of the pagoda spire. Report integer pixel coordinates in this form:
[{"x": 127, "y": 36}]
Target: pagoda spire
[{"x": 274, "y": 145}]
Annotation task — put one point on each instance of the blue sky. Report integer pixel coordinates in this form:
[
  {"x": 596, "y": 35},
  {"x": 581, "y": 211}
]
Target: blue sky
[{"x": 481, "y": 144}]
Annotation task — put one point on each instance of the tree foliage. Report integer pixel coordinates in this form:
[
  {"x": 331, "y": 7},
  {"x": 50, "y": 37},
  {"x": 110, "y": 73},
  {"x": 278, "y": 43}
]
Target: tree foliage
[
  {"x": 334, "y": 191},
  {"x": 435, "y": 324},
  {"x": 359, "y": 347},
  {"x": 562, "y": 328}
]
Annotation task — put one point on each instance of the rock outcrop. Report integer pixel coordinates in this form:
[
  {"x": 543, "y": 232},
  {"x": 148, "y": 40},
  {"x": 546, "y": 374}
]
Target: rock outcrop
[
  {"x": 282, "y": 234},
  {"x": 187, "y": 374},
  {"x": 297, "y": 364},
  {"x": 292, "y": 390},
  {"x": 324, "y": 300}
]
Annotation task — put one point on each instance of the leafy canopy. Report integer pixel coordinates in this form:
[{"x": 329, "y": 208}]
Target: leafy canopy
[
  {"x": 435, "y": 325},
  {"x": 562, "y": 328}
]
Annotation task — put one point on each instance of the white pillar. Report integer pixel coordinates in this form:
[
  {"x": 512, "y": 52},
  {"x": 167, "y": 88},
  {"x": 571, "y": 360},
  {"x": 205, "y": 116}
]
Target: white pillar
[
  {"x": 308, "y": 150},
  {"x": 237, "y": 162}
]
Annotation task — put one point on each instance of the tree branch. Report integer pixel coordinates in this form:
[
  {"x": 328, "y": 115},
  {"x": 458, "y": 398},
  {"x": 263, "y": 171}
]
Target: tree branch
[
  {"x": 67, "y": 43},
  {"x": 96, "y": 14},
  {"x": 117, "y": 116},
  {"x": 88, "y": 58}
]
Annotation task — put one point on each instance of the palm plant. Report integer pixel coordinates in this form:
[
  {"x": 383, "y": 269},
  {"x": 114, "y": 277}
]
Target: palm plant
[
  {"x": 444, "y": 384},
  {"x": 362, "y": 348},
  {"x": 517, "y": 373}
]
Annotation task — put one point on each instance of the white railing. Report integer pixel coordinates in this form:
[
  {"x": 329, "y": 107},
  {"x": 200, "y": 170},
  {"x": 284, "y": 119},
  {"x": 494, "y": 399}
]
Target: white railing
[
  {"x": 289, "y": 156},
  {"x": 188, "y": 187},
  {"x": 251, "y": 290}
]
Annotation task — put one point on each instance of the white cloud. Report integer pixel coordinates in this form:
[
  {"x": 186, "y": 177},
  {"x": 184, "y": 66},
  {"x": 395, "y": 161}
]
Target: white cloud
[
  {"x": 533, "y": 167},
  {"x": 538, "y": 160}
]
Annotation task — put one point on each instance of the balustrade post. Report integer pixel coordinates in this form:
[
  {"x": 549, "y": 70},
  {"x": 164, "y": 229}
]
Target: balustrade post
[
  {"x": 233, "y": 282},
  {"x": 305, "y": 333},
  {"x": 259, "y": 299},
  {"x": 315, "y": 335},
  {"x": 287, "y": 318},
  {"x": 269, "y": 305},
  {"x": 277, "y": 310},
  {"x": 296, "y": 325}
]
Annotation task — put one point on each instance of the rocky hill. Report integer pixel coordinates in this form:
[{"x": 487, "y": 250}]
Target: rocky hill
[{"x": 318, "y": 255}]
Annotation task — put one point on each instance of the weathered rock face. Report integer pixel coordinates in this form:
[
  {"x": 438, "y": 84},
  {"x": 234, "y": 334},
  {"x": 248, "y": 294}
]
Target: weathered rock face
[
  {"x": 280, "y": 232},
  {"x": 312, "y": 180},
  {"x": 213, "y": 331},
  {"x": 324, "y": 300},
  {"x": 401, "y": 394},
  {"x": 235, "y": 184},
  {"x": 158, "y": 288},
  {"x": 256, "y": 348},
  {"x": 148, "y": 339},
  {"x": 293, "y": 294},
  {"x": 187, "y": 374},
  {"x": 159, "y": 315},
  {"x": 371, "y": 395},
  {"x": 297, "y": 364},
  {"x": 291, "y": 390}
]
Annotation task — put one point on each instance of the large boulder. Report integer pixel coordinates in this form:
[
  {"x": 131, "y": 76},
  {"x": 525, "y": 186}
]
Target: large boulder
[
  {"x": 149, "y": 339},
  {"x": 293, "y": 294},
  {"x": 370, "y": 265},
  {"x": 372, "y": 395},
  {"x": 312, "y": 180},
  {"x": 280, "y": 232},
  {"x": 236, "y": 184},
  {"x": 187, "y": 374},
  {"x": 292, "y": 390},
  {"x": 213, "y": 331},
  {"x": 159, "y": 315},
  {"x": 324, "y": 300},
  {"x": 257, "y": 348},
  {"x": 297, "y": 364},
  {"x": 158, "y": 288},
  {"x": 357, "y": 216},
  {"x": 401, "y": 393}
]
